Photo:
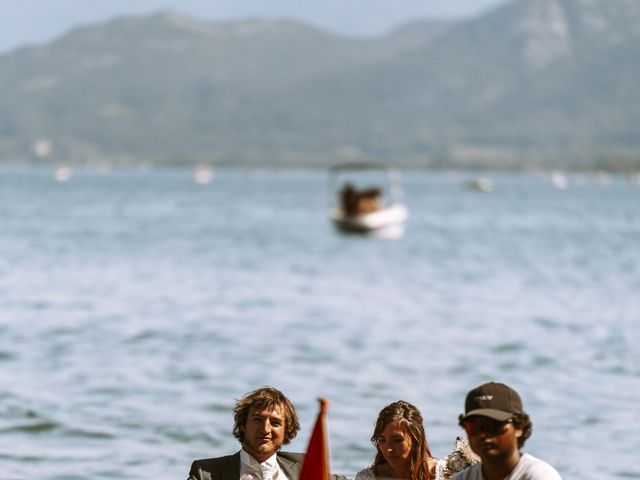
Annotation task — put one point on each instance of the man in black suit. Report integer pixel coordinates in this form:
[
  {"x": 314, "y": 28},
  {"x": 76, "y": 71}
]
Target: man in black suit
[{"x": 264, "y": 421}]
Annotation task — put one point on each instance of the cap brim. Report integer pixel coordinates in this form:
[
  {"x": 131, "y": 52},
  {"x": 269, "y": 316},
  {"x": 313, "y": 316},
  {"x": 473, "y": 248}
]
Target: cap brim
[{"x": 489, "y": 412}]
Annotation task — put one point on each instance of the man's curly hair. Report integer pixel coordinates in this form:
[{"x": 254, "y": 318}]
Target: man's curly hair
[
  {"x": 259, "y": 399},
  {"x": 522, "y": 420}
]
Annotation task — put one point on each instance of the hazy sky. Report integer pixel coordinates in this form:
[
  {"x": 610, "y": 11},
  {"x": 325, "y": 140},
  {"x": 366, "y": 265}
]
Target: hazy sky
[{"x": 27, "y": 22}]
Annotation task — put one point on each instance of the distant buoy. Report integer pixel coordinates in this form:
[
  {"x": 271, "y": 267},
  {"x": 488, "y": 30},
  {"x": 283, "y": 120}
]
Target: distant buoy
[
  {"x": 603, "y": 178},
  {"x": 558, "y": 180},
  {"x": 203, "y": 174},
  {"x": 62, "y": 173},
  {"x": 42, "y": 148}
]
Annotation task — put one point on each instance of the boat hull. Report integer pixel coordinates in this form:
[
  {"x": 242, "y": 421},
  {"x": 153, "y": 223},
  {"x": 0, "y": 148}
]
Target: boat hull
[{"x": 386, "y": 217}]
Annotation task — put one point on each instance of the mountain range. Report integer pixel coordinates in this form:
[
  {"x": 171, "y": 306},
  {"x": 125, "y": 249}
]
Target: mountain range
[{"x": 532, "y": 83}]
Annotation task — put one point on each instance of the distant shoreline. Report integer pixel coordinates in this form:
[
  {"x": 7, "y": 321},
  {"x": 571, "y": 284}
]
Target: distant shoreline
[{"x": 623, "y": 165}]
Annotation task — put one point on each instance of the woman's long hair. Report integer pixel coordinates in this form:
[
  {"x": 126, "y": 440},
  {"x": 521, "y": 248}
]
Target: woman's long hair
[{"x": 410, "y": 416}]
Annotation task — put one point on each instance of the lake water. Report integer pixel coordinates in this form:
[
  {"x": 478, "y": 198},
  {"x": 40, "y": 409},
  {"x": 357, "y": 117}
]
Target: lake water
[{"x": 135, "y": 307}]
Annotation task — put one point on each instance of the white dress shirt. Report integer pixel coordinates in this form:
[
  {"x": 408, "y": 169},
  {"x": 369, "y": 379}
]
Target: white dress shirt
[{"x": 251, "y": 469}]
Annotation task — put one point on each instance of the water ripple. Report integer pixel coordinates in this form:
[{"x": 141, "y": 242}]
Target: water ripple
[{"x": 140, "y": 308}]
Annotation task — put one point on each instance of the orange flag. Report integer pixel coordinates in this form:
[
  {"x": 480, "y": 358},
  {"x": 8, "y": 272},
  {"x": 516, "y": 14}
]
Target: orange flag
[{"x": 316, "y": 461}]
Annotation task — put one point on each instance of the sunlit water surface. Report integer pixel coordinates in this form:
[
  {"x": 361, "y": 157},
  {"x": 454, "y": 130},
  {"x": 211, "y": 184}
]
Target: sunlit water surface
[{"x": 135, "y": 307}]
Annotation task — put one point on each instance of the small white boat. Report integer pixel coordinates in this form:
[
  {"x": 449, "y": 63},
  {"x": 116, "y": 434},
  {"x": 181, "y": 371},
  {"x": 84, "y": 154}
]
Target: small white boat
[
  {"x": 480, "y": 184},
  {"x": 558, "y": 180},
  {"x": 369, "y": 209},
  {"x": 203, "y": 174},
  {"x": 385, "y": 217},
  {"x": 62, "y": 173}
]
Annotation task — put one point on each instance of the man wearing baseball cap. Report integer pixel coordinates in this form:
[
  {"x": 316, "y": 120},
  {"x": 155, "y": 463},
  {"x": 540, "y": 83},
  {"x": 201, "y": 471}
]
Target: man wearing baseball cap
[{"x": 497, "y": 428}]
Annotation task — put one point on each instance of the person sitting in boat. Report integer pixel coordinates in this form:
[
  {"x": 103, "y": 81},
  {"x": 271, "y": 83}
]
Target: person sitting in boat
[
  {"x": 265, "y": 420},
  {"x": 402, "y": 450},
  {"x": 349, "y": 200},
  {"x": 497, "y": 428},
  {"x": 369, "y": 201}
]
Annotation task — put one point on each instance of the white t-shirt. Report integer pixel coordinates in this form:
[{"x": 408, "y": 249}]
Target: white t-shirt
[{"x": 528, "y": 468}]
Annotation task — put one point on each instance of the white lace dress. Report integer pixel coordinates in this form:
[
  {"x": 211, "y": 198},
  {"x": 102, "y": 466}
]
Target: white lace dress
[
  {"x": 367, "y": 473},
  {"x": 460, "y": 458}
]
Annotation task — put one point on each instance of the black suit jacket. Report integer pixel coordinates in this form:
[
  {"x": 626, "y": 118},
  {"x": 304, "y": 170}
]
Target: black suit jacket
[{"x": 228, "y": 467}]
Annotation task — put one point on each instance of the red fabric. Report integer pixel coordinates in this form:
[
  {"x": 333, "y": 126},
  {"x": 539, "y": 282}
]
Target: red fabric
[{"x": 316, "y": 461}]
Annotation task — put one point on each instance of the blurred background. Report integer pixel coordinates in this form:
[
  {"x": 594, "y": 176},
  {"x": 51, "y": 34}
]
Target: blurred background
[{"x": 166, "y": 243}]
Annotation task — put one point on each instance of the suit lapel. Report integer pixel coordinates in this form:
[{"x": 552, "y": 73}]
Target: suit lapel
[
  {"x": 230, "y": 469},
  {"x": 291, "y": 469}
]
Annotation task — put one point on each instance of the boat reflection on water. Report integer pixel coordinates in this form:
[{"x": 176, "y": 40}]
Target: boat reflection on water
[{"x": 369, "y": 200}]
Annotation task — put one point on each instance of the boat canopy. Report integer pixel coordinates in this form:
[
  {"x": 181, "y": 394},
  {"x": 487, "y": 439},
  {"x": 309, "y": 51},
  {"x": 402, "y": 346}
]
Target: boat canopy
[{"x": 352, "y": 166}]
